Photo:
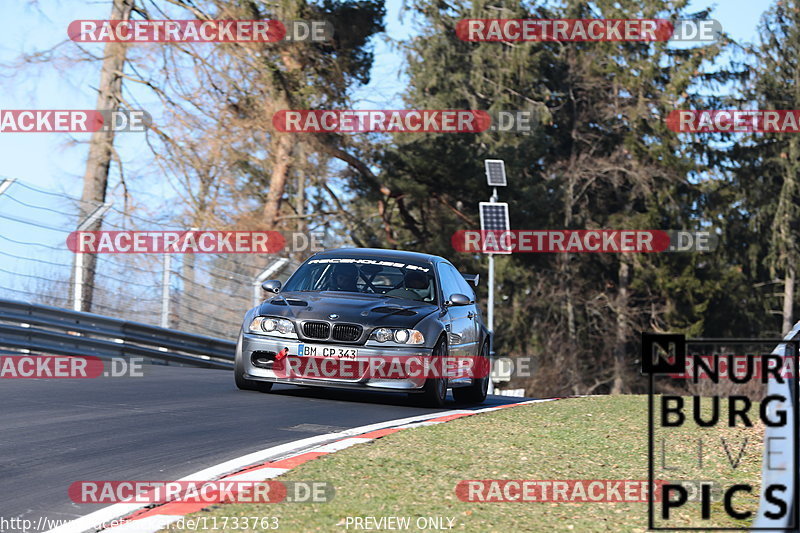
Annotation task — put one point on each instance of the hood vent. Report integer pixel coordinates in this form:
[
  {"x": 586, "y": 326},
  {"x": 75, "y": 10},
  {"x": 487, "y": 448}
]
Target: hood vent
[
  {"x": 293, "y": 303},
  {"x": 394, "y": 311}
]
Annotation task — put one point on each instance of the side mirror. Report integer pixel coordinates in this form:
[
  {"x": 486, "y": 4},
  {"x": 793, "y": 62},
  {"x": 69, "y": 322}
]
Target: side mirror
[
  {"x": 457, "y": 299},
  {"x": 272, "y": 285},
  {"x": 472, "y": 279}
]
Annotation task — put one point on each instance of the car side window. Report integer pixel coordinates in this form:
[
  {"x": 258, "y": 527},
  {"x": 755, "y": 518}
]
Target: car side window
[
  {"x": 463, "y": 287},
  {"x": 449, "y": 280}
]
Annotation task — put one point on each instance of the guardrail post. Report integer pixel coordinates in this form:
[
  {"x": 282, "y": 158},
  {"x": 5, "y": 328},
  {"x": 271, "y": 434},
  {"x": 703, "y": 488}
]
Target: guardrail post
[
  {"x": 165, "y": 277},
  {"x": 77, "y": 274}
]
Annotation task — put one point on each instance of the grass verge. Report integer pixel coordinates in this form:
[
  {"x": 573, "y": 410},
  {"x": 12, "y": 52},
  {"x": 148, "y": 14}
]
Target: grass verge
[{"x": 413, "y": 473}]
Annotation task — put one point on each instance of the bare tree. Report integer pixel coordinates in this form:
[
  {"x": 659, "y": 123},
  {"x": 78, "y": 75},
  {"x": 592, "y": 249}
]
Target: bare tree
[{"x": 101, "y": 145}]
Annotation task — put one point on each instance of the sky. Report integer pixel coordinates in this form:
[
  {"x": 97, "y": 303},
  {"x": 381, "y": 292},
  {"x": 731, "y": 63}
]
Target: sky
[
  {"x": 55, "y": 162},
  {"x": 34, "y": 222}
]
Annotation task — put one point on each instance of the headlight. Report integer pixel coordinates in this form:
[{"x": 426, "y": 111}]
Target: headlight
[
  {"x": 382, "y": 334},
  {"x": 276, "y": 327},
  {"x": 400, "y": 336}
]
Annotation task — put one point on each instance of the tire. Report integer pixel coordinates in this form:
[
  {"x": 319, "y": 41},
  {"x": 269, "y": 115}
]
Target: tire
[
  {"x": 243, "y": 383},
  {"x": 475, "y": 393},
  {"x": 434, "y": 392}
]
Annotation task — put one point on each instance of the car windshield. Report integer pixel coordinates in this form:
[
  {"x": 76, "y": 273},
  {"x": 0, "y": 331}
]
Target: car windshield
[{"x": 411, "y": 281}]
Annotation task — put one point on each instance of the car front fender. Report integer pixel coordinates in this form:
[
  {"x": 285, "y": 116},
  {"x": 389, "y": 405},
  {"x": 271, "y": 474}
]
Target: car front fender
[{"x": 432, "y": 328}]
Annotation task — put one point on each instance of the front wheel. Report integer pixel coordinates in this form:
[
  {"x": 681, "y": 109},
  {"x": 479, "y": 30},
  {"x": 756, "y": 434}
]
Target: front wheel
[
  {"x": 247, "y": 384},
  {"x": 476, "y": 393},
  {"x": 434, "y": 392}
]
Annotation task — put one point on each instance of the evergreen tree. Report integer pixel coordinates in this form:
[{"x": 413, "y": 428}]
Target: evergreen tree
[{"x": 602, "y": 157}]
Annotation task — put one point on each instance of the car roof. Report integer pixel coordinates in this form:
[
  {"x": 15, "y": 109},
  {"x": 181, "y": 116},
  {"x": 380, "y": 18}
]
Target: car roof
[{"x": 379, "y": 253}]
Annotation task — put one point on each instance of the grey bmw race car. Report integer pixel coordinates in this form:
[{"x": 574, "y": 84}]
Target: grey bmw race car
[{"x": 370, "y": 319}]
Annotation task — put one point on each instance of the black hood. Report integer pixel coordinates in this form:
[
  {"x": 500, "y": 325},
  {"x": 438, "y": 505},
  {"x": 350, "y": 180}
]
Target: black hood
[{"x": 367, "y": 310}]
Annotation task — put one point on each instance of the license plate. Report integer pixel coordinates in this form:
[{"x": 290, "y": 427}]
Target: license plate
[{"x": 328, "y": 352}]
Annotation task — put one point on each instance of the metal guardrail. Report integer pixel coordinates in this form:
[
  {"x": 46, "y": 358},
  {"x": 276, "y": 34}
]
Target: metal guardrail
[{"x": 53, "y": 330}]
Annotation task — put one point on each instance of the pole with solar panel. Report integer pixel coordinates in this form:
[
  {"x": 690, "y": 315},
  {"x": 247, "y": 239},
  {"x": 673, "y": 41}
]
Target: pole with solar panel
[{"x": 494, "y": 217}]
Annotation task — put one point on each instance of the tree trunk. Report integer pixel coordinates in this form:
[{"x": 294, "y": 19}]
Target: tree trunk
[
  {"x": 95, "y": 178},
  {"x": 566, "y": 270},
  {"x": 277, "y": 181},
  {"x": 622, "y": 325},
  {"x": 573, "y": 370},
  {"x": 788, "y": 299},
  {"x": 302, "y": 223},
  {"x": 793, "y": 167}
]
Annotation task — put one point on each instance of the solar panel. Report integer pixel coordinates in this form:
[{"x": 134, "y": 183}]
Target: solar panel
[
  {"x": 494, "y": 218},
  {"x": 495, "y": 172}
]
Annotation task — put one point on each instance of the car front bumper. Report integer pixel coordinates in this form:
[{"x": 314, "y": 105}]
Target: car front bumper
[{"x": 270, "y": 345}]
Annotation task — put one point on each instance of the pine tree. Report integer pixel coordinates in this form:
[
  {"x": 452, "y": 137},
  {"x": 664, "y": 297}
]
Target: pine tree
[{"x": 601, "y": 157}]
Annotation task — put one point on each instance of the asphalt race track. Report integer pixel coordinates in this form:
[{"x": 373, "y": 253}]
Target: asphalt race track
[{"x": 170, "y": 423}]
